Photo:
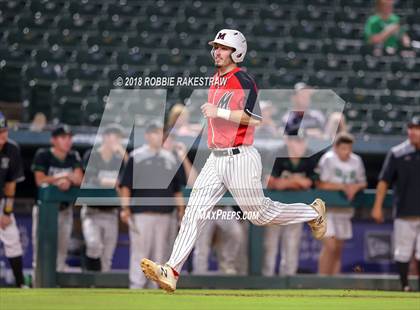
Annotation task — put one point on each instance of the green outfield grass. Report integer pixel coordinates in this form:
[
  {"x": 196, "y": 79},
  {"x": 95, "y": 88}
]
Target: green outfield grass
[{"x": 104, "y": 299}]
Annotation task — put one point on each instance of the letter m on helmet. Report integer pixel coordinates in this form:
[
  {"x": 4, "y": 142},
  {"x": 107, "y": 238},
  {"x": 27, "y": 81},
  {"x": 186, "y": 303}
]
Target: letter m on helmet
[{"x": 221, "y": 36}]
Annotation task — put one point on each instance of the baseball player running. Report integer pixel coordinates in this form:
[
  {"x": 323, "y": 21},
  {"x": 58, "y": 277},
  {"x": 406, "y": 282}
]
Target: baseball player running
[
  {"x": 232, "y": 112},
  {"x": 11, "y": 172}
]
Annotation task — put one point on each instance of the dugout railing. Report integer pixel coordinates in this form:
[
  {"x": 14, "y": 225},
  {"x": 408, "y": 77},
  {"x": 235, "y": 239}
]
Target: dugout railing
[{"x": 50, "y": 197}]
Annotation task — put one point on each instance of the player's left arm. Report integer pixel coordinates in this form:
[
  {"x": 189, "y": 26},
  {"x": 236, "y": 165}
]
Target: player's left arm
[
  {"x": 179, "y": 201},
  {"x": 9, "y": 193},
  {"x": 236, "y": 116},
  {"x": 14, "y": 175},
  {"x": 241, "y": 117}
]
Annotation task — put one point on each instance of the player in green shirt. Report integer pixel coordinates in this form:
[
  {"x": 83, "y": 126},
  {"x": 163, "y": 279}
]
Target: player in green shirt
[{"x": 384, "y": 27}]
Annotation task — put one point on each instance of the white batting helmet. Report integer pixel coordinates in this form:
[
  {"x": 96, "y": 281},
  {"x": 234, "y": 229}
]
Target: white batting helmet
[{"x": 234, "y": 39}]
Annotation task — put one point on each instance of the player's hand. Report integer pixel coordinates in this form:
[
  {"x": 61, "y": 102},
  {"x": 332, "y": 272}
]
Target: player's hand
[
  {"x": 63, "y": 184},
  {"x": 125, "y": 215},
  {"x": 209, "y": 110},
  {"x": 180, "y": 149},
  {"x": 305, "y": 183},
  {"x": 377, "y": 214},
  {"x": 350, "y": 191},
  {"x": 5, "y": 220}
]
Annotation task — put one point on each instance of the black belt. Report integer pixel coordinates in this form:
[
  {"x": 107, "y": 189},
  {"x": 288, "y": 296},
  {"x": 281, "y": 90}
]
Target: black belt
[{"x": 227, "y": 152}]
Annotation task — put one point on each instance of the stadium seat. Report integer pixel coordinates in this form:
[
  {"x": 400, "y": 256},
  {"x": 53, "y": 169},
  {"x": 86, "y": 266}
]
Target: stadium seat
[
  {"x": 255, "y": 61},
  {"x": 154, "y": 25},
  {"x": 35, "y": 21},
  {"x": 13, "y": 56},
  {"x": 308, "y": 31},
  {"x": 149, "y": 41},
  {"x": 314, "y": 13},
  {"x": 66, "y": 39},
  {"x": 84, "y": 74},
  {"x": 173, "y": 59},
  {"x": 114, "y": 25},
  {"x": 50, "y": 8},
  {"x": 397, "y": 100},
  {"x": 85, "y": 8},
  {"x": 43, "y": 73},
  {"x": 200, "y": 9},
  {"x": 75, "y": 23},
  {"x": 294, "y": 63},
  {"x": 404, "y": 83},
  {"x": 10, "y": 82},
  {"x": 99, "y": 58},
  {"x": 25, "y": 39},
  {"x": 51, "y": 56},
  {"x": 301, "y": 46},
  {"x": 12, "y": 6},
  {"x": 131, "y": 9},
  {"x": 134, "y": 58},
  {"x": 285, "y": 80},
  {"x": 39, "y": 97},
  {"x": 276, "y": 12},
  {"x": 192, "y": 26}
]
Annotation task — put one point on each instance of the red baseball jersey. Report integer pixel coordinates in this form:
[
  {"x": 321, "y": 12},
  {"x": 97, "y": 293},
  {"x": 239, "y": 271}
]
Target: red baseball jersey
[{"x": 238, "y": 93}]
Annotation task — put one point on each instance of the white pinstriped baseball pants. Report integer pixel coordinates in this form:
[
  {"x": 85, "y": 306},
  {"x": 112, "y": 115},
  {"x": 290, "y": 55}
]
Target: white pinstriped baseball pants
[{"x": 241, "y": 175}]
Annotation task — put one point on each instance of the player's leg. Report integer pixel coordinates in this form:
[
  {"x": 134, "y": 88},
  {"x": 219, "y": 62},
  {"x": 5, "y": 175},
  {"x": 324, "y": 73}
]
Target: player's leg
[
  {"x": 202, "y": 248},
  {"x": 142, "y": 240},
  {"x": 242, "y": 261},
  {"x": 230, "y": 243},
  {"x": 109, "y": 228},
  {"x": 35, "y": 211},
  {"x": 404, "y": 241},
  {"x": 344, "y": 232},
  {"x": 326, "y": 256},
  {"x": 65, "y": 226},
  {"x": 244, "y": 183},
  {"x": 13, "y": 249},
  {"x": 161, "y": 231},
  {"x": 417, "y": 254},
  {"x": 92, "y": 235},
  {"x": 207, "y": 191},
  {"x": 339, "y": 244},
  {"x": 290, "y": 244},
  {"x": 272, "y": 236}
]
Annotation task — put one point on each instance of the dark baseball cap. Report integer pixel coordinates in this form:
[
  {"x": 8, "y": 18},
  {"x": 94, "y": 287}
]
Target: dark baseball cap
[
  {"x": 61, "y": 130},
  {"x": 114, "y": 128},
  {"x": 153, "y": 126},
  {"x": 3, "y": 121},
  {"x": 415, "y": 121}
]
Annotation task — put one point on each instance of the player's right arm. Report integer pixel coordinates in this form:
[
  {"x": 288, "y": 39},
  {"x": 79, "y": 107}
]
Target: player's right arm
[
  {"x": 377, "y": 213},
  {"x": 125, "y": 183},
  {"x": 386, "y": 176}
]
